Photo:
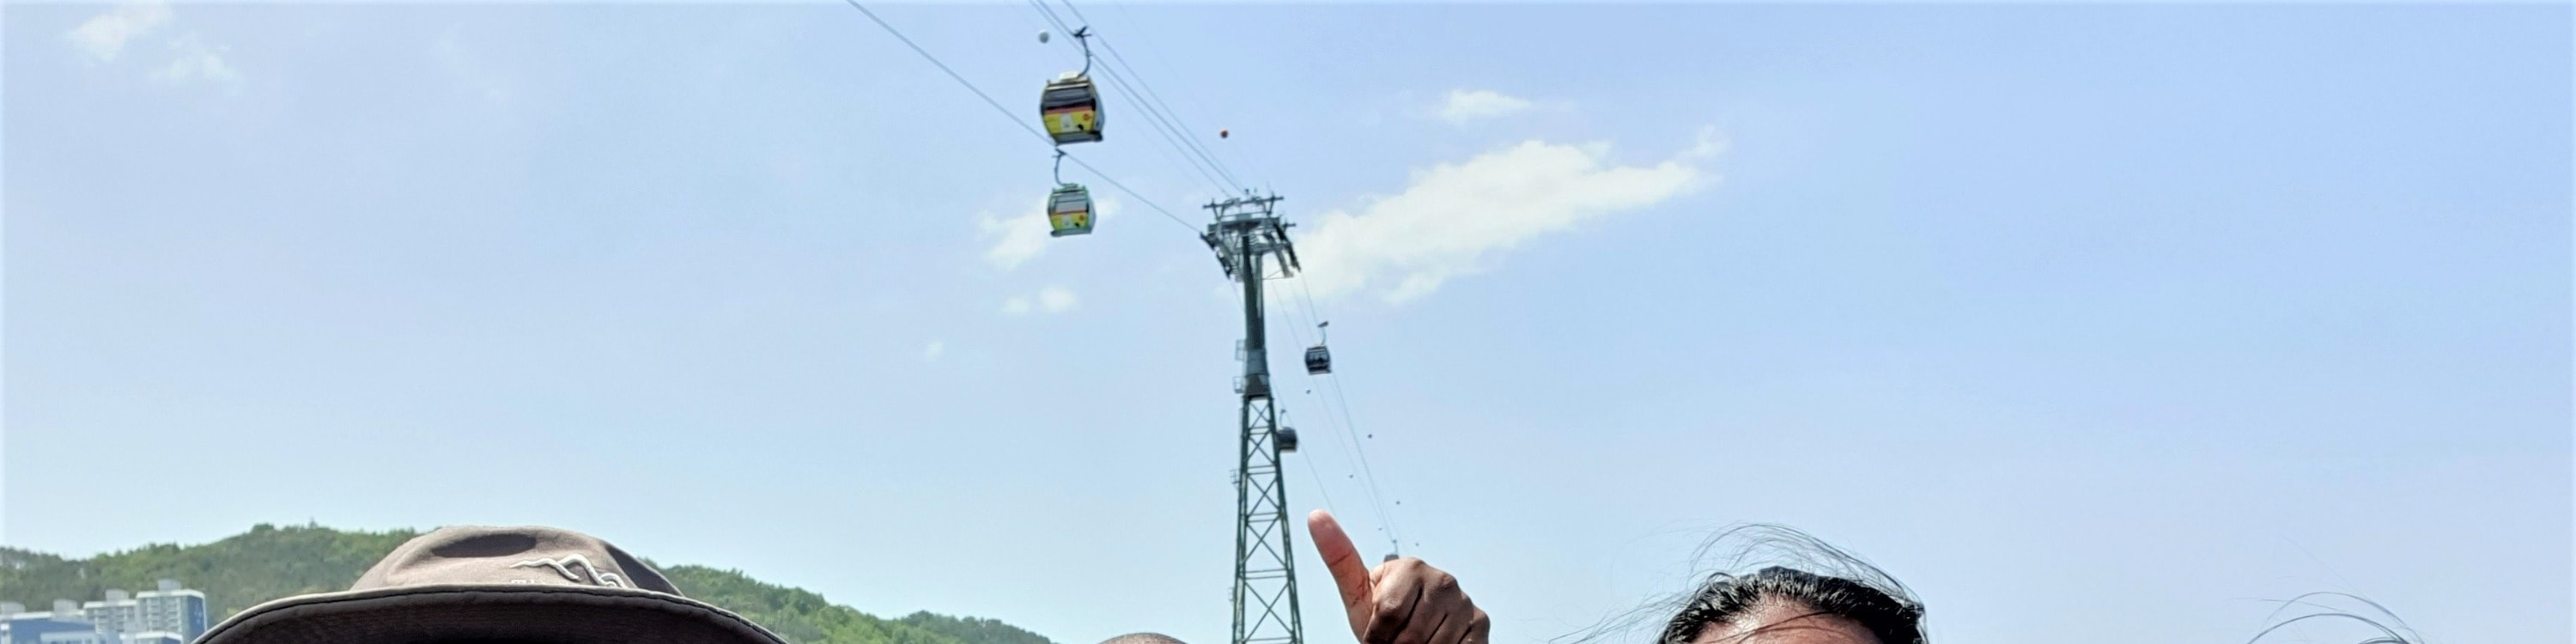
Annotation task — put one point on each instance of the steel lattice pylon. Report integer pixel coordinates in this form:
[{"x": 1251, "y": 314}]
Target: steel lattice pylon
[{"x": 1265, "y": 568}]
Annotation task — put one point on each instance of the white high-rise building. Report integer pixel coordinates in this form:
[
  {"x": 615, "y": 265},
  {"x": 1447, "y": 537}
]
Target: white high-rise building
[
  {"x": 112, "y": 615},
  {"x": 171, "y": 609},
  {"x": 168, "y": 609}
]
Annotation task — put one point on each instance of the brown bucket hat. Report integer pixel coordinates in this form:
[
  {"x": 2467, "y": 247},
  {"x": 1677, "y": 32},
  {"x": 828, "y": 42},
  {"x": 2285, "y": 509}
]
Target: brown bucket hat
[{"x": 525, "y": 585}]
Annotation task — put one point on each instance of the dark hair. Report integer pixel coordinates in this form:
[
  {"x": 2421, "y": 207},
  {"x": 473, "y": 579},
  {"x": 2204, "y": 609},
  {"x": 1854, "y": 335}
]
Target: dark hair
[
  {"x": 1745, "y": 565},
  {"x": 1727, "y": 597}
]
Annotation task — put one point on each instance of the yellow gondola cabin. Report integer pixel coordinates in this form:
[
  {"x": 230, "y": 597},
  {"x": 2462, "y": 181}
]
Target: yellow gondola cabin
[
  {"x": 1069, "y": 210},
  {"x": 1071, "y": 109}
]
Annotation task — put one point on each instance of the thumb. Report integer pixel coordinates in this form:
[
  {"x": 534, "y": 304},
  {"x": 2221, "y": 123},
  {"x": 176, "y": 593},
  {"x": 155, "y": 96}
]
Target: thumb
[{"x": 1343, "y": 560}]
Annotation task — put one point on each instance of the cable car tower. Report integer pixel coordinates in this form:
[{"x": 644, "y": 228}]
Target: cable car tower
[{"x": 1265, "y": 573}]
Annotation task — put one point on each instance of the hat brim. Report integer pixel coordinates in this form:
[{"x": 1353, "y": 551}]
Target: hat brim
[{"x": 519, "y": 613}]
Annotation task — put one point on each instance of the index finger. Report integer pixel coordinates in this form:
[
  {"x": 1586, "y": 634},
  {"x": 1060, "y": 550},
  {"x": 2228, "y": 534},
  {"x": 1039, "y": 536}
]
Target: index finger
[{"x": 1340, "y": 558}]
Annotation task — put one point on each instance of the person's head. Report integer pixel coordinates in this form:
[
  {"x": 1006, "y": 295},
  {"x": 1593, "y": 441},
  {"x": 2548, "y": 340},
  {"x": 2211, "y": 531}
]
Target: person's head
[
  {"x": 1142, "y": 638},
  {"x": 1769, "y": 584},
  {"x": 496, "y": 585},
  {"x": 1780, "y": 605}
]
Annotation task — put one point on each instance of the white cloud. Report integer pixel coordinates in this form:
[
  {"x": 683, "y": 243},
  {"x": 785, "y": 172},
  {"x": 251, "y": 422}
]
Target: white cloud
[
  {"x": 1022, "y": 238},
  {"x": 1016, "y": 240},
  {"x": 1469, "y": 105},
  {"x": 1455, "y": 217},
  {"x": 1055, "y": 299},
  {"x": 193, "y": 59},
  {"x": 1709, "y": 145},
  {"x": 1052, "y": 299},
  {"x": 931, "y": 353},
  {"x": 104, "y": 36}
]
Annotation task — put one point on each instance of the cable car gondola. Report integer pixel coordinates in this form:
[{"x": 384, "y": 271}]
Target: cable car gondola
[
  {"x": 1319, "y": 360},
  {"x": 1069, "y": 210},
  {"x": 1071, "y": 107}
]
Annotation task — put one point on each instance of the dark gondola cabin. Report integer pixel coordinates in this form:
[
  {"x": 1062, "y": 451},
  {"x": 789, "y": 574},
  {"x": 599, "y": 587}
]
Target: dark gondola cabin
[
  {"x": 1286, "y": 438},
  {"x": 1069, "y": 211},
  {"x": 1319, "y": 360},
  {"x": 1071, "y": 107}
]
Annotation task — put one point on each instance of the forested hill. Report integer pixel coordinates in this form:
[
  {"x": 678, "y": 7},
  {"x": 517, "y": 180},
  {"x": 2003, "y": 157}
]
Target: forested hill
[{"x": 271, "y": 562}]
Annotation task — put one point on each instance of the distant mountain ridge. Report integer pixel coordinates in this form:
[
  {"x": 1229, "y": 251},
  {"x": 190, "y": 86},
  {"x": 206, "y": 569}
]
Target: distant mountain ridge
[{"x": 269, "y": 562}]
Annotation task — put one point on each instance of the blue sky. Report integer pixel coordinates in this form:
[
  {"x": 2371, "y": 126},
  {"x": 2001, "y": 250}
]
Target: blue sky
[{"x": 2092, "y": 323}]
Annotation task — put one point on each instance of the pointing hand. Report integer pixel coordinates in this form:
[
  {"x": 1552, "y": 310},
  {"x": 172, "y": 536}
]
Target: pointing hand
[{"x": 1402, "y": 601}]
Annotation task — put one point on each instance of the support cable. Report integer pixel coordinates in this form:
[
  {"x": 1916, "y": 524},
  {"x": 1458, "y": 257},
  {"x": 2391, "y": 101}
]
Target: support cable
[
  {"x": 1151, "y": 48},
  {"x": 1049, "y": 14},
  {"x": 1120, "y": 62},
  {"x": 1159, "y": 114},
  {"x": 1353, "y": 446},
  {"x": 1310, "y": 469},
  {"x": 1171, "y": 135},
  {"x": 1014, "y": 118},
  {"x": 1346, "y": 440},
  {"x": 1166, "y": 153},
  {"x": 1365, "y": 471},
  {"x": 1155, "y": 100}
]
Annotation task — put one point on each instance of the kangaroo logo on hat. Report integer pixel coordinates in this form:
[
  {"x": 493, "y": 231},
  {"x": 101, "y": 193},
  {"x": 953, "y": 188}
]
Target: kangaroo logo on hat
[{"x": 561, "y": 567}]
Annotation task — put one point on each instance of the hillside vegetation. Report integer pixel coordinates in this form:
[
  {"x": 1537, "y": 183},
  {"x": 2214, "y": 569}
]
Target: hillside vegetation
[{"x": 269, "y": 562}]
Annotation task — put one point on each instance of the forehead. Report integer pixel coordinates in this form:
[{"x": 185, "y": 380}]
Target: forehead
[{"x": 1786, "y": 623}]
